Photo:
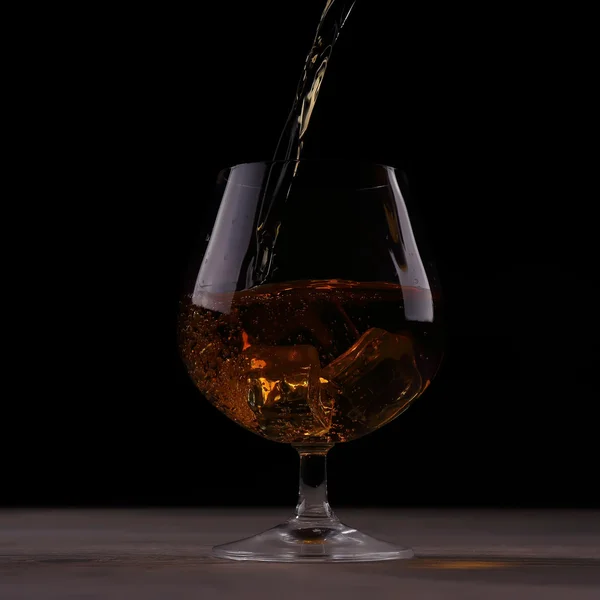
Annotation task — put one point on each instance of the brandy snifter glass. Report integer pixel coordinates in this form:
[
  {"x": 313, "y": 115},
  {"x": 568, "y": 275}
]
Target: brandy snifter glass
[{"x": 311, "y": 319}]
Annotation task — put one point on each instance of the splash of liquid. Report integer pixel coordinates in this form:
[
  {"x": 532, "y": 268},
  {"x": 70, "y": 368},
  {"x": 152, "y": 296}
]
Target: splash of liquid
[{"x": 291, "y": 141}]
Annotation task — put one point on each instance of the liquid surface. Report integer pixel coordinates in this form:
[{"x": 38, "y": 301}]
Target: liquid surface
[{"x": 310, "y": 362}]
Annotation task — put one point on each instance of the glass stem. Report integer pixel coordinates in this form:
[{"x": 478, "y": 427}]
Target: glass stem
[{"x": 312, "y": 493}]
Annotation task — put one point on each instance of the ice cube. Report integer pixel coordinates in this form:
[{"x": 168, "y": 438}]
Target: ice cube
[
  {"x": 376, "y": 378},
  {"x": 284, "y": 391}
]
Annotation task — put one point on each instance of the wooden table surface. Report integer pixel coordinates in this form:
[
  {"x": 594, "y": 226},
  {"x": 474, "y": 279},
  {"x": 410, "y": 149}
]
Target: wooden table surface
[{"x": 165, "y": 554}]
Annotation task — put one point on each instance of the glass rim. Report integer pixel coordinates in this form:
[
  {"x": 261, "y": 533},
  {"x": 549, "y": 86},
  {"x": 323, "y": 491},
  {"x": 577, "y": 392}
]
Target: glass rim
[{"x": 319, "y": 161}]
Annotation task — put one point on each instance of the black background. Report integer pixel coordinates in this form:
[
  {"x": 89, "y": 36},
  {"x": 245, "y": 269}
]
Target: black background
[{"x": 129, "y": 120}]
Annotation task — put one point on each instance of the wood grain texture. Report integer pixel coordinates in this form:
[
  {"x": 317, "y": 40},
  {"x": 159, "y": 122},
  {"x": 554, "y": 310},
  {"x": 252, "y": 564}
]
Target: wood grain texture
[{"x": 154, "y": 554}]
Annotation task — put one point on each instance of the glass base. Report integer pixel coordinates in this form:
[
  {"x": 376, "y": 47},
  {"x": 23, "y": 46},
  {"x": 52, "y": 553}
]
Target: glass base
[{"x": 311, "y": 540}]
